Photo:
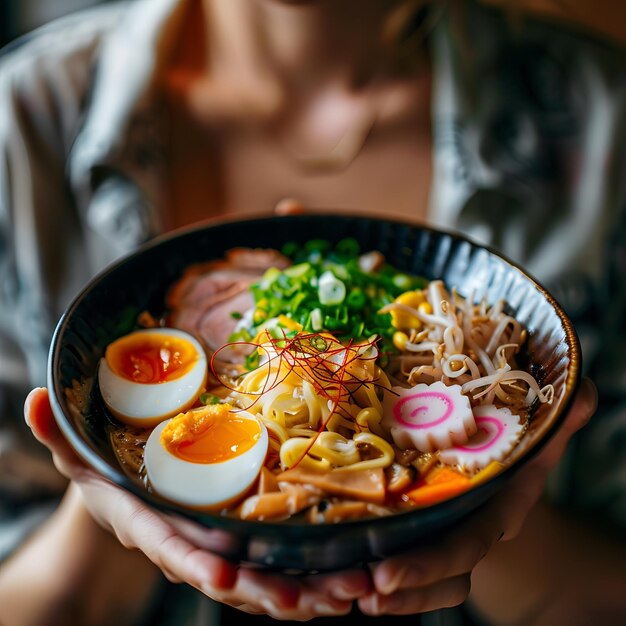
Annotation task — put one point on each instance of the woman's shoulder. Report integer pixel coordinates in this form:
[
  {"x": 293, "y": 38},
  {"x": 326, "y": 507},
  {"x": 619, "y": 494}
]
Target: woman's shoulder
[
  {"x": 75, "y": 34},
  {"x": 45, "y": 75}
]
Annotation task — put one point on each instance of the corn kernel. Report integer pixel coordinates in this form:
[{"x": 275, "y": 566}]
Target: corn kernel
[
  {"x": 262, "y": 304},
  {"x": 399, "y": 340},
  {"x": 259, "y": 316},
  {"x": 288, "y": 323},
  {"x": 403, "y": 321},
  {"x": 411, "y": 298},
  {"x": 425, "y": 307}
]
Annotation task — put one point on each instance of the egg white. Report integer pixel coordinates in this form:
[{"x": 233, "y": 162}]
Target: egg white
[
  {"x": 203, "y": 485},
  {"x": 146, "y": 405}
]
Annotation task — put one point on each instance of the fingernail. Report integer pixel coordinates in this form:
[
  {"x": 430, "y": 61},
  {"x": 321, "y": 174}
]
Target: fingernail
[
  {"x": 394, "y": 582},
  {"x": 27, "y": 406},
  {"x": 342, "y": 592},
  {"x": 374, "y": 607},
  {"x": 289, "y": 206},
  {"x": 323, "y": 608},
  {"x": 269, "y": 607}
]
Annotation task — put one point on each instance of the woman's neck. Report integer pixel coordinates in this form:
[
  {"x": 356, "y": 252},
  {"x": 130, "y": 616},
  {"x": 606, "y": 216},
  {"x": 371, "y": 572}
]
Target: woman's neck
[
  {"x": 300, "y": 46},
  {"x": 270, "y": 98}
]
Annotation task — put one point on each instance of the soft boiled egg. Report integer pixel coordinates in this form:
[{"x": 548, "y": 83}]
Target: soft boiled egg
[
  {"x": 150, "y": 375},
  {"x": 206, "y": 458}
]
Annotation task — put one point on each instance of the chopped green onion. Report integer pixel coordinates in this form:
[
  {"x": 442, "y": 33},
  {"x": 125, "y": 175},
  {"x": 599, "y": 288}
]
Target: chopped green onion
[
  {"x": 356, "y": 299},
  {"x": 339, "y": 270},
  {"x": 348, "y": 247},
  {"x": 330, "y": 289},
  {"x": 326, "y": 290},
  {"x": 296, "y": 301},
  {"x": 402, "y": 281},
  {"x": 297, "y": 271},
  {"x": 241, "y": 335},
  {"x": 252, "y": 360},
  {"x": 319, "y": 343},
  {"x": 290, "y": 249},
  {"x": 317, "y": 245},
  {"x": 209, "y": 398},
  {"x": 269, "y": 277},
  {"x": 358, "y": 329},
  {"x": 317, "y": 320},
  {"x": 276, "y": 332}
]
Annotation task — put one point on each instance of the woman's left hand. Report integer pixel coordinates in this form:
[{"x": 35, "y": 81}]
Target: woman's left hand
[
  {"x": 438, "y": 576},
  {"x": 138, "y": 526}
]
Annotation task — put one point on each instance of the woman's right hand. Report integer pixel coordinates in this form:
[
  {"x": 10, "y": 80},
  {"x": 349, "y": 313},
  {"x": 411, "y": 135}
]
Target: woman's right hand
[
  {"x": 438, "y": 574},
  {"x": 139, "y": 527}
]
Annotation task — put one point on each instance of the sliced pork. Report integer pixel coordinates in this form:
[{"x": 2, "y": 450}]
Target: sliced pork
[{"x": 203, "y": 300}]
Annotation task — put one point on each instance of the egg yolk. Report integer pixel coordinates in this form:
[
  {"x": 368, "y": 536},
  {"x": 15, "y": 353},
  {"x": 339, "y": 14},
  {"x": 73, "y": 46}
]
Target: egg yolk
[
  {"x": 210, "y": 434},
  {"x": 151, "y": 358}
]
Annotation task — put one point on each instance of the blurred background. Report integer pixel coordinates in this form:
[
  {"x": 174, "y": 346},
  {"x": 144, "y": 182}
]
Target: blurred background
[{"x": 20, "y": 16}]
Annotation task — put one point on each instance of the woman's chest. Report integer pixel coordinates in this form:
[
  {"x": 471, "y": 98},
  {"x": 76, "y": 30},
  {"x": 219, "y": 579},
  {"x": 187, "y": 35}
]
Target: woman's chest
[{"x": 212, "y": 173}]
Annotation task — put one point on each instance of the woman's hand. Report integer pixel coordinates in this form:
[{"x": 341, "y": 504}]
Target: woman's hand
[
  {"x": 138, "y": 526},
  {"x": 438, "y": 576}
]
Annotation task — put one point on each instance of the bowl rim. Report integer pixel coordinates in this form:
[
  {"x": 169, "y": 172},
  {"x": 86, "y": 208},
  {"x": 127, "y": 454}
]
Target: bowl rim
[{"x": 252, "y": 527}]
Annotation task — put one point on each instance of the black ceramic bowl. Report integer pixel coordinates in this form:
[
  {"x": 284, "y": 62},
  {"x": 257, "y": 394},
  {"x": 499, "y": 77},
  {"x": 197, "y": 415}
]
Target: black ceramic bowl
[{"x": 108, "y": 308}]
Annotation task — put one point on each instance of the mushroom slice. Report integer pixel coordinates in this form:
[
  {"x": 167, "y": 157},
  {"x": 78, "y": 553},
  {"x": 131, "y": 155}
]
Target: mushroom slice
[
  {"x": 279, "y": 505},
  {"x": 399, "y": 477}
]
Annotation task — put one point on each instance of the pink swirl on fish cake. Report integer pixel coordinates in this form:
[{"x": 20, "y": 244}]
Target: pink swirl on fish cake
[
  {"x": 498, "y": 432},
  {"x": 489, "y": 430},
  {"x": 423, "y": 409}
]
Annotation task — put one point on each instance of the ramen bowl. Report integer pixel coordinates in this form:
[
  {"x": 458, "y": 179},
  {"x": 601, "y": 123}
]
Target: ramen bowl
[{"x": 109, "y": 307}]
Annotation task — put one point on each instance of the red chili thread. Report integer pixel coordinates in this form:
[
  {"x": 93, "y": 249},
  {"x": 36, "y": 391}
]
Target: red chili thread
[{"x": 330, "y": 379}]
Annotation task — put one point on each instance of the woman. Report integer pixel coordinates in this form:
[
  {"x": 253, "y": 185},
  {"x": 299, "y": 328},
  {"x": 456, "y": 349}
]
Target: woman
[{"x": 168, "y": 112}]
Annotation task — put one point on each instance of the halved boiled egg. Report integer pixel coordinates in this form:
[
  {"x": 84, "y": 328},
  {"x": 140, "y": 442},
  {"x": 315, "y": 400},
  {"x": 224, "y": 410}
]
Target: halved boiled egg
[
  {"x": 207, "y": 457},
  {"x": 150, "y": 375}
]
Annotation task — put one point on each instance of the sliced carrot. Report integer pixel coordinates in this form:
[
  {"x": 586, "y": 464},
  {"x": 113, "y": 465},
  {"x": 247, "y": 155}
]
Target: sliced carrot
[
  {"x": 431, "y": 494},
  {"x": 440, "y": 484},
  {"x": 444, "y": 475}
]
